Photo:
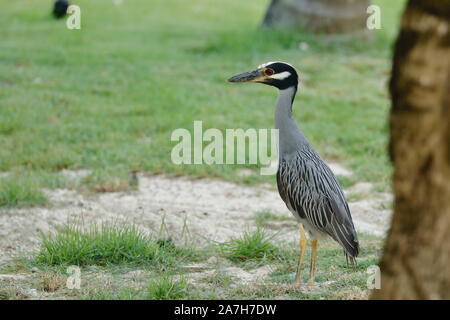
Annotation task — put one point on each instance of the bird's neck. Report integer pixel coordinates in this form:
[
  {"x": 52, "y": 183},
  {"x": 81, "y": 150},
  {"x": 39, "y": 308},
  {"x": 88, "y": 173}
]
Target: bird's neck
[{"x": 290, "y": 136}]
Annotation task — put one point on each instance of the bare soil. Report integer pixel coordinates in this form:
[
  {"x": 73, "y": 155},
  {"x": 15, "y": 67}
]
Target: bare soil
[{"x": 202, "y": 209}]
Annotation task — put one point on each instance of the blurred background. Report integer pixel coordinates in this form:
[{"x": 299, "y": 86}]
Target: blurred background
[{"x": 108, "y": 96}]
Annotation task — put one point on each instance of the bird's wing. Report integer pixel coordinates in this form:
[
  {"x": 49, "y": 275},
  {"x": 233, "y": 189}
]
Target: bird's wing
[
  {"x": 341, "y": 227},
  {"x": 310, "y": 188}
]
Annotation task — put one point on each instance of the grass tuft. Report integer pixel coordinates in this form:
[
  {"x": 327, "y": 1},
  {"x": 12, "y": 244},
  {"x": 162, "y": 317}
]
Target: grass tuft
[
  {"x": 105, "y": 244},
  {"x": 20, "y": 193},
  {"x": 254, "y": 246},
  {"x": 165, "y": 287}
]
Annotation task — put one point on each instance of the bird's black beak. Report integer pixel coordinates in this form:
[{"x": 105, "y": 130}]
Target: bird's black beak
[{"x": 251, "y": 76}]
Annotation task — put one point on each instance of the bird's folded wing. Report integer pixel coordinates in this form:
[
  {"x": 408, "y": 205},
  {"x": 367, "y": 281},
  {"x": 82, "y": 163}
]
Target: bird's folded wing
[{"x": 317, "y": 197}]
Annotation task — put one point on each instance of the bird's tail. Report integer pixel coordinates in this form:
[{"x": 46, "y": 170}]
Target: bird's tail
[
  {"x": 347, "y": 237},
  {"x": 351, "y": 251},
  {"x": 351, "y": 261}
]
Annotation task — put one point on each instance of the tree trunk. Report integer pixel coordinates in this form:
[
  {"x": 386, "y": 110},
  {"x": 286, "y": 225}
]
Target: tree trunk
[
  {"x": 329, "y": 16},
  {"x": 416, "y": 259}
]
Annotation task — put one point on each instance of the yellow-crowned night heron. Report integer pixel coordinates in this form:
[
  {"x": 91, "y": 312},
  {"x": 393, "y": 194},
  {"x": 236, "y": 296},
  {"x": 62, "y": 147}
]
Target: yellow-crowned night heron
[{"x": 305, "y": 182}]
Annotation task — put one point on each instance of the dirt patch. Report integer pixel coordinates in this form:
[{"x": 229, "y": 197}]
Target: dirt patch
[
  {"x": 370, "y": 211},
  {"x": 204, "y": 209}
]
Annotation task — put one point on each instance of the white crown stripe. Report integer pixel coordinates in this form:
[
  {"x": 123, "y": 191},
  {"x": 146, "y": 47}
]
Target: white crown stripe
[
  {"x": 266, "y": 64},
  {"x": 272, "y": 62}
]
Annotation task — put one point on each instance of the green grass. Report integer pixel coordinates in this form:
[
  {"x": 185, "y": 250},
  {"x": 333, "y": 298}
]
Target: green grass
[
  {"x": 20, "y": 192},
  {"x": 137, "y": 277},
  {"x": 24, "y": 189},
  {"x": 166, "y": 287},
  {"x": 251, "y": 246},
  {"x": 162, "y": 286},
  {"x": 106, "y": 244},
  {"x": 109, "y": 294},
  {"x": 218, "y": 279},
  {"x": 107, "y": 97}
]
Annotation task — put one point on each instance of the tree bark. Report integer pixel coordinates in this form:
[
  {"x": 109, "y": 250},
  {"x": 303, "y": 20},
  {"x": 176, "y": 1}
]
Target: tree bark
[
  {"x": 416, "y": 258},
  {"x": 328, "y": 16}
]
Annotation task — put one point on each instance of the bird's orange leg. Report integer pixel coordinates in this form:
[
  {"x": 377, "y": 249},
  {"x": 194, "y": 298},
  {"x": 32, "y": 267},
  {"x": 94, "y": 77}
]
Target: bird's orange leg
[
  {"x": 301, "y": 256},
  {"x": 312, "y": 271}
]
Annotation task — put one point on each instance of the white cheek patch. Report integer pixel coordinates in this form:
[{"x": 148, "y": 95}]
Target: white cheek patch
[{"x": 281, "y": 76}]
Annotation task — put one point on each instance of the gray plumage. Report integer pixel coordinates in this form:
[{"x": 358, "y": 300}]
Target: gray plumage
[{"x": 307, "y": 185}]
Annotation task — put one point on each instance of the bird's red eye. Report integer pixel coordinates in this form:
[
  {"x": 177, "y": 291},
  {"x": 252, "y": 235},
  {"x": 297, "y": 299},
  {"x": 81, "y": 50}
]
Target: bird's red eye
[{"x": 269, "y": 72}]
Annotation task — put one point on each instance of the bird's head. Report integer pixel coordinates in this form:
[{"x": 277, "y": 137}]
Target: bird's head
[{"x": 278, "y": 74}]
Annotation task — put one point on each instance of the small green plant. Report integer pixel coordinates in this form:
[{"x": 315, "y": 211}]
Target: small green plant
[
  {"x": 166, "y": 287},
  {"x": 107, "y": 243},
  {"x": 218, "y": 279},
  {"x": 108, "y": 293},
  {"x": 251, "y": 246},
  {"x": 20, "y": 193}
]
